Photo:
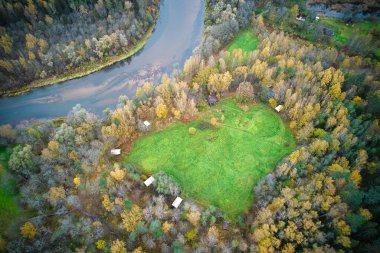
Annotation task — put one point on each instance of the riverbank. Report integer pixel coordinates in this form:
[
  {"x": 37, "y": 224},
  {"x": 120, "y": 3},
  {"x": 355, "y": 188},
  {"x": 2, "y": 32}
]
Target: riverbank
[{"x": 85, "y": 69}]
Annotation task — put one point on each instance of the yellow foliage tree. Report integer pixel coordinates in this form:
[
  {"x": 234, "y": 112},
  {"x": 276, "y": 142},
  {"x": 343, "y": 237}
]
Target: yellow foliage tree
[
  {"x": 118, "y": 246},
  {"x": 319, "y": 147},
  {"x": 107, "y": 202},
  {"x": 219, "y": 82},
  {"x": 118, "y": 174},
  {"x": 366, "y": 214},
  {"x": 76, "y": 180},
  {"x": 356, "y": 177},
  {"x": 56, "y": 193},
  {"x": 273, "y": 102},
  {"x": 131, "y": 218},
  {"x": 161, "y": 111},
  {"x": 194, "y": 217},
  {"x": 138, "y": 250},
  {"x": 213, "y": 121},
  {"x": 28, "y": 230},
  {"x": 100, "y": 244},
  {"x": 166, "y": 226}
]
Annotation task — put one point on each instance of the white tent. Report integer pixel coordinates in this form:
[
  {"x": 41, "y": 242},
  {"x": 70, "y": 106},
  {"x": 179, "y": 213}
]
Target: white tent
[
  {"x": 300, "y": 19},
  {"x": 177, "y": 202},
  {"x": 149, "y": 181},
  {"x": 279, "y": 108},
  {"x": 115, "y": 151},
  {"x": 146, "y": 123}
]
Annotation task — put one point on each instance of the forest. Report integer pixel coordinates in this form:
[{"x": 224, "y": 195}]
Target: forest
[
  {"x": 45, "y": 39},
  {"x": 253, "y": 73}
]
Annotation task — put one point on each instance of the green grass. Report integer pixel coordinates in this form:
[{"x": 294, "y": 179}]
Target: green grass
[
  {"x": 343, "y": 31},
  {"x": 218, "y": 166},
  {"x": 246, "y": 40},
  {"x": 8, "y": 192}
]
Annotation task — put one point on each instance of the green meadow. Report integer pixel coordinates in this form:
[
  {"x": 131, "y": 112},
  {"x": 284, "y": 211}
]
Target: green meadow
[
  {"x": 246, "y": 40},
  {"x": 218, "y": 165}
]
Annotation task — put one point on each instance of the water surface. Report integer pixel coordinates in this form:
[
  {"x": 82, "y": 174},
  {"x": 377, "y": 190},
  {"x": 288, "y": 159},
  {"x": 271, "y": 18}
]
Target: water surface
[{"x": 178, "y": 31}]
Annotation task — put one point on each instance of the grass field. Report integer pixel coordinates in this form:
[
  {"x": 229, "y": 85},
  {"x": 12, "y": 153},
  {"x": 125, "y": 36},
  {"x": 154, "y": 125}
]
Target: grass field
[
  {"x": 343, "y": 31},
  {"x": 218, "y": 165},
  {"x": 246, "y": 40},
  {"x": 8, "y": 193}
]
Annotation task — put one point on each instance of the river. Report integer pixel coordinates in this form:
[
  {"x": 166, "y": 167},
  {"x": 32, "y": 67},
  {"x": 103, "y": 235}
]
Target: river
[{"x": 178, "y": 31}]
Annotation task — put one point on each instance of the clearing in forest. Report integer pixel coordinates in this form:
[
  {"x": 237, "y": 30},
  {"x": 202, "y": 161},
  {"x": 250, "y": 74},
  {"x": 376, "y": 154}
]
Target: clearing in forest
[
  {"x": 246, "y": 40},
  {"x": 8, "y": 192},
  {"x": 219, "y": 165}
]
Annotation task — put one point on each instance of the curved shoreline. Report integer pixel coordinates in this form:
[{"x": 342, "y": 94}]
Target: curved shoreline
[{"x": 83, "y": 70}]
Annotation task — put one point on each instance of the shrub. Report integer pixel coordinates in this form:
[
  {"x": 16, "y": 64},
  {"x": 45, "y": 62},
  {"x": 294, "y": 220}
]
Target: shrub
[
  {"x": 214, "y": 121},
  {"x": 192, "y": 234},
  {"x": 204, "y": 125},
  {"x": 192, "y": 130},
  {"x": 166, "y": 184},
  {"x": 245, "y": 92}
]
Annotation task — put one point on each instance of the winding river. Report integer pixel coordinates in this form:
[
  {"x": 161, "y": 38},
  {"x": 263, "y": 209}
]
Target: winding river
[{"x": 178, "y": 31}]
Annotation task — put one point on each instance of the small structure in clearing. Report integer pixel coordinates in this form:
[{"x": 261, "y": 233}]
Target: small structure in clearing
[
  {"x": 279, "y": 108},
  {"x": 300, "y": 19},
  {"x": 144, "y": 126},
  {"x": 177, "y": 202},
  {"x": 149, "y": 181},
  {"x": 147, "y": 123},
  {"x": 115, "y": 151}
]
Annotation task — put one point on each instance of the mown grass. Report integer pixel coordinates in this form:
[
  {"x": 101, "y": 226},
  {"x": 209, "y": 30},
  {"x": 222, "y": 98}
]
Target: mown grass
[
  {"x": 246, "y": 40},
  {"x": 8, "y": 192},
  {"x": 218, "y": 165}
]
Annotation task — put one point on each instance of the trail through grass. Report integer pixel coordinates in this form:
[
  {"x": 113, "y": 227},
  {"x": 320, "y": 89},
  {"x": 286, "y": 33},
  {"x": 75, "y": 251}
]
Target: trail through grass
[{"x": 218, "y": 165}]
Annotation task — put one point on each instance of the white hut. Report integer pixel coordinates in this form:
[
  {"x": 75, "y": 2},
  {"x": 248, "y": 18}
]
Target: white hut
[
  {"x": 317, "y": 18},
  {"x": 177, "y": 202},
  {"x": 279, "y": 108},
  {"x": 147, "y": 123},
  {"x": 301, "y": 19},
  {"x": 149, "y": 181},
  {"x": 115, "y": 151}
]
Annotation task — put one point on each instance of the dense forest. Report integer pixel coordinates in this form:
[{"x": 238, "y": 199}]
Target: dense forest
[
  {"x": 323, "y": 197},
  {"x": 42, "y": 39}
]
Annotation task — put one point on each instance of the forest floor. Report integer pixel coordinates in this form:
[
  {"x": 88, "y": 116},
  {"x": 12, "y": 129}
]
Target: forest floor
[
  {"x": 219, "y": 165},
  {"x": 85, "y": 69},
  {"x": 246, "y": 40},
  {"x": 9, "y": 209}
]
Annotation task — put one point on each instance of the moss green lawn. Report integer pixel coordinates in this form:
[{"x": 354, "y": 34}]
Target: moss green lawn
[
  {"x": 218, "y": 166},
  {"x": 246, "y": 40}
]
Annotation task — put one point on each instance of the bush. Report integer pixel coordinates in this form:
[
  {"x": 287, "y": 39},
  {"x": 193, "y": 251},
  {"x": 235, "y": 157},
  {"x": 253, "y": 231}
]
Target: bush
[
  {"x": 166, "y": 184},
  {"x": 192, "y": 130},
  {"x": 204, "y": 125},
  {"x": 214, "y": 121},
  {"x": 245, "y": 92}
]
